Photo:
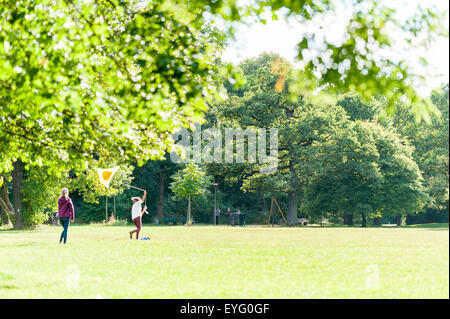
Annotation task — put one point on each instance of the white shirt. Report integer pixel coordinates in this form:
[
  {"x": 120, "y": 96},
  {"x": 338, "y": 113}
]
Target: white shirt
[{"x": 136, "y": 209}]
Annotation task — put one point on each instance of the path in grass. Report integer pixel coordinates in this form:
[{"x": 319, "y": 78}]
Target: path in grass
[{"x": 221, "y": 262}]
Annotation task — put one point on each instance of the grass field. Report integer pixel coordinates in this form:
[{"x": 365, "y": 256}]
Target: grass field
[{"x": 220, "y": 262}]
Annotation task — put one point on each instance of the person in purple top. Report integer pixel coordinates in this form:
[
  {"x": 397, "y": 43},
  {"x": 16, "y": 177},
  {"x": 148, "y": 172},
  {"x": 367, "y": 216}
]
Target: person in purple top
[{"x": 66, "y": 213}]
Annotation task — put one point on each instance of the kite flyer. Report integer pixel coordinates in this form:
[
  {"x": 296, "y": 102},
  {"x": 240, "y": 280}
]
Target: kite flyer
[{"x": 136, "y": 214}]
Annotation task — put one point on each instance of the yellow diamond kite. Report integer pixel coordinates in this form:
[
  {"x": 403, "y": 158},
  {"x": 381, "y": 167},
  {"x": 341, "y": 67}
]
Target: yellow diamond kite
[{"x": 106, "y": 175}]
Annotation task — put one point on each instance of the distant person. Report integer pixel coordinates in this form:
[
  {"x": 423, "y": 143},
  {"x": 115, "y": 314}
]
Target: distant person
[
  {"x": 136, "y": 214},
  {"x": 238, "y": 215},
  {"x": 228, "y": 213},
  {"x": 217, "y": 216},
  {"x": 66, "y": 213}
]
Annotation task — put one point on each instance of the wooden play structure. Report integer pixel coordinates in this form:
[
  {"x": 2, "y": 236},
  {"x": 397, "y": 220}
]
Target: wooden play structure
[{"x": 274, "y": 202}]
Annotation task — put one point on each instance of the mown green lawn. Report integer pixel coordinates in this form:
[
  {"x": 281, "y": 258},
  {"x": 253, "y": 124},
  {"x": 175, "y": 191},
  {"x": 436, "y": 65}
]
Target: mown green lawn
[{"x": 220, "y": 262}]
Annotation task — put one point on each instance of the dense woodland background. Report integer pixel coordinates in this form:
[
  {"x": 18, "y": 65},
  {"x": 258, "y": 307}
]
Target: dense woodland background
[
  {"x": 414, "y": 189},
  {"x": 94, "y": 86}
]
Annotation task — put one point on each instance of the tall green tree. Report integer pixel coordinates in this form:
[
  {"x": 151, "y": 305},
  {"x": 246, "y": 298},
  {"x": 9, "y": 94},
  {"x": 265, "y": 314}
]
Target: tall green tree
[
  {"x": 369, "y": 170},
  {"x": 431, "y": 143},
  {"x": 266, "y": 102},
  {"x": 188, "y": 182}
]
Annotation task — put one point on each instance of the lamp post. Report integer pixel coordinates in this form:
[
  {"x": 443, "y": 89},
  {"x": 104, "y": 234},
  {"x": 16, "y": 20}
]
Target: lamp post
[{"x": 215, "y": 202}]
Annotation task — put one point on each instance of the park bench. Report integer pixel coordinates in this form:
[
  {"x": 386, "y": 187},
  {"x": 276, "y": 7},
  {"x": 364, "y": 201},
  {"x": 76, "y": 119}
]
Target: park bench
[{"x": 236, "y": 219}]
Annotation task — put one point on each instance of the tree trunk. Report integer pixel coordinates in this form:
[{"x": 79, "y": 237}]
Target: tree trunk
[
  {"x": 215, "y": 205},
  {"x": 265, "y": 208},
  {"x": 292, "y": 208},
  {"x": 364, "y": 220},
  {"x": 399, "y": 220},
  {"x": 188, "y": 221},
  {"x": 6, "y": 209},
  {"x": 292, "y": 198},
  {"x": 18, "y": 172},
  {"x": 160, "y": 207},
  {"x": 348, "y": 219},
  {"x": 114, "y": 210},
  {"x": 4, "y": 214}
]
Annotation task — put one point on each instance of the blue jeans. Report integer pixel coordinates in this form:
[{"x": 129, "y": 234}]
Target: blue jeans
[{"x": 65, "y": 221}]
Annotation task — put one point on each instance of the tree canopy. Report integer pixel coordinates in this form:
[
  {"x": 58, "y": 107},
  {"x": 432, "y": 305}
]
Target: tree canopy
[
  {"x": 124, "y": 74},
  {"x": 77, "y": 75}
]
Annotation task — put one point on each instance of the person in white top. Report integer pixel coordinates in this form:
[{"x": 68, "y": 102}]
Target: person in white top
[{"x": 136, "y": 214}]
